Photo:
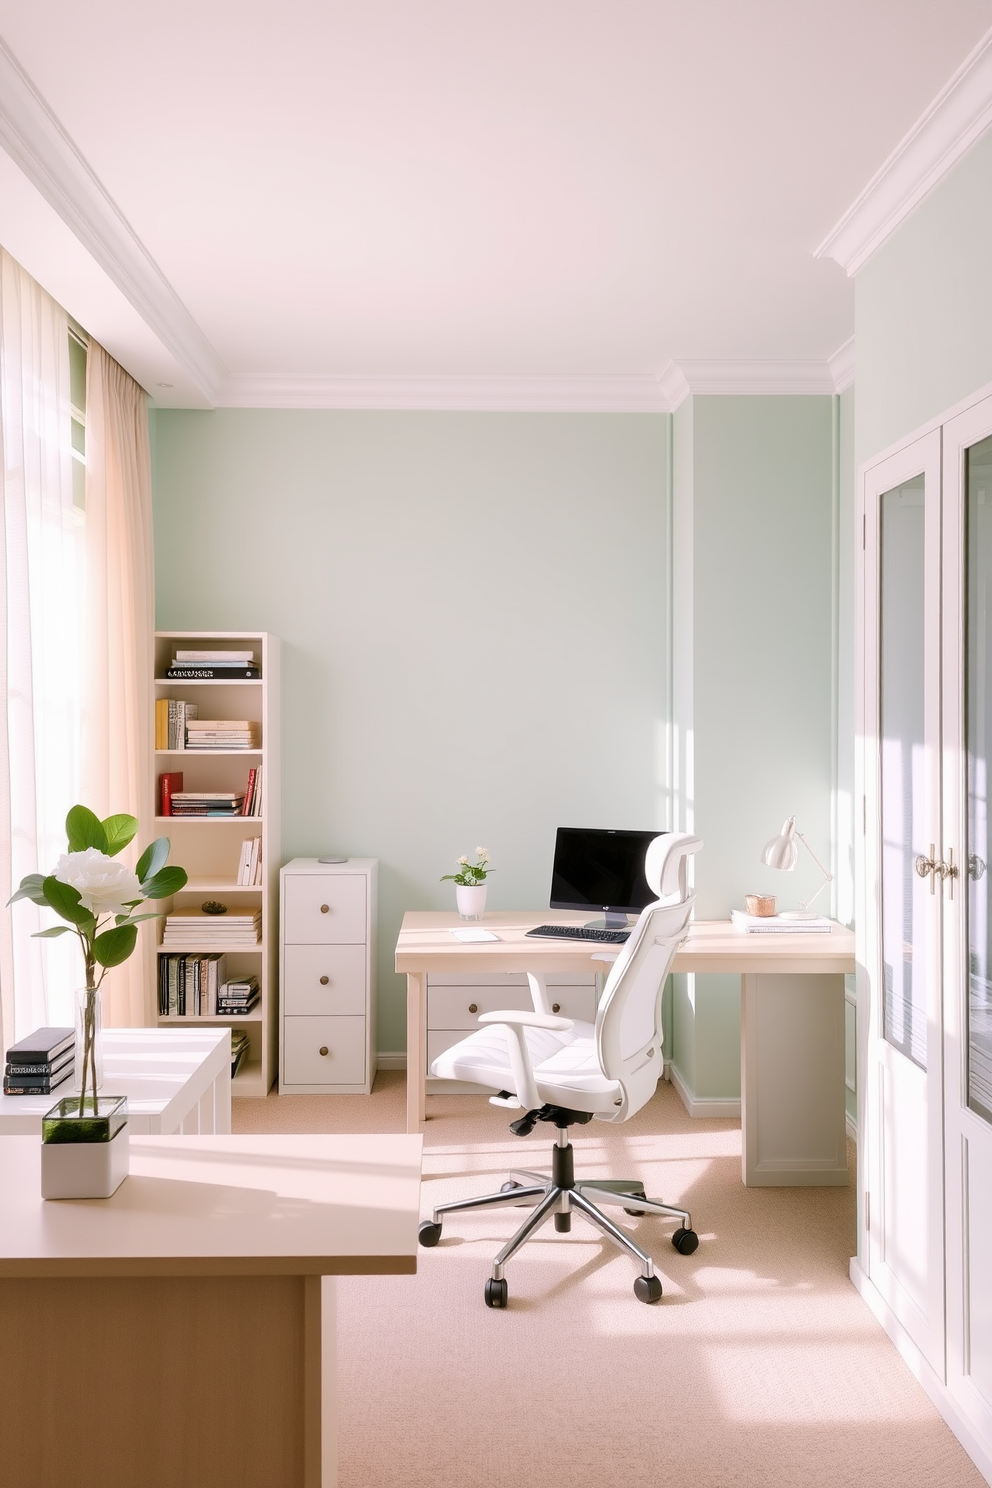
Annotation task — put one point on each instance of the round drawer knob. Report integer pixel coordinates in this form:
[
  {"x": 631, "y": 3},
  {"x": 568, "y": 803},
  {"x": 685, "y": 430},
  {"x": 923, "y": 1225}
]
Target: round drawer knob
[
  {"x": 323, "y": 1049},
  {"x": 325, "y": 908},
  {"x": 324, "y": 981},
  {"x": 556, "y": 1007},
  {"x": 473, "y": 1007}
]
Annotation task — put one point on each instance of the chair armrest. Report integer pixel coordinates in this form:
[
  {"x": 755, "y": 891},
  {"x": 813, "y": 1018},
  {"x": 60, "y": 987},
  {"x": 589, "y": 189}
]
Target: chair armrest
[{"x": 520, "y": 1019}]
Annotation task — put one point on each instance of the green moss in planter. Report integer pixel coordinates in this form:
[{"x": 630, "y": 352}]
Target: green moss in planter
[{"x": 82, "y": 1119}]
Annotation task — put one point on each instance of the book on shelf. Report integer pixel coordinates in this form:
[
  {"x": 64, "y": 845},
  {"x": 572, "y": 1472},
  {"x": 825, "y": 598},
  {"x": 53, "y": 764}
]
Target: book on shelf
[
  {"x": 161, "y": 723},
  {"x": 249, "y": 796},
  {"x": 256, "y": 795},
  {"x": 250, "y": 864},
  {"x": 42, "y": 1046},
  {"x": 235, "y": 1007},
  {"x": 240, "y": 1044},
  {"x": 206, "y": 803},
  {"x": 777, "y": 924},
  {"x": 189, "y": 985},
  {"x": 219, "y": 733},
  {"x": 213, "y": 671},
  {"x": 180, "y": 714},
  {"x": 169, "y": 782},
  {"x": 192, "y": 929},
  {"x": 211, "y": 654}
]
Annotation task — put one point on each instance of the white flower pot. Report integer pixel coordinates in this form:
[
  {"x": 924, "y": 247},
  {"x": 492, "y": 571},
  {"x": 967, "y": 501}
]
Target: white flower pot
[
  {"x": 471, "y": 901},
  {"x": 84, "y": 1170}
]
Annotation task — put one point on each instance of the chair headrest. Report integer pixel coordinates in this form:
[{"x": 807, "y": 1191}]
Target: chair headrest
[{"x": 665, "y": 859}]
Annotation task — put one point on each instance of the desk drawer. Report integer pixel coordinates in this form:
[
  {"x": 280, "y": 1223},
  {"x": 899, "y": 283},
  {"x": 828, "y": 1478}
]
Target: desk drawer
[
  {"x": 458, "y": 1007},
  {"x": 319, "y": 910},
  {"x": 508, "y": 979},
  {"x": 344, "y": 1040},
  {"x": 320, "y": 979}
]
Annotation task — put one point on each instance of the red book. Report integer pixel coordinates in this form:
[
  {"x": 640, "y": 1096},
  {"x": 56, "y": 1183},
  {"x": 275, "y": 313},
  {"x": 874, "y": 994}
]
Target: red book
[
  {"x": 249, "y": 791},
  {"x": 167, "y": 785}
]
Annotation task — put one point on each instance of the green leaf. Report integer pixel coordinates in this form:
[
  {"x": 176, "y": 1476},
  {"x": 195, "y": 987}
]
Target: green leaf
[
  {"x": 84, "y": 830},
  {"x": 114, "y": 946},
  {"x": 50, "y": 934},
  {"x": 120, "y": 830},
  {"x": 152, "y": 859},
  {"x": 65, "y": 900},
  {"x": 135, "y": 919},
  {"x": 169, "y": 881},
  {"x": 32, "y": 886}
]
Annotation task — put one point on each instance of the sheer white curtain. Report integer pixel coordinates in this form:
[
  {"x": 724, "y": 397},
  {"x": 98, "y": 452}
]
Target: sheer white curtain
[
  {"x": 40, "y": 634},
  {"x": 117, "y": 771}
]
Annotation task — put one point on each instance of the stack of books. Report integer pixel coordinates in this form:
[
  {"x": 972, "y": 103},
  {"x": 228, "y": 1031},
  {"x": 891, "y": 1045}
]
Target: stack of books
[
  {"x": 238, "y": 996},
  {"x": 193, "y": 930},
  {"x": 188, "y": 986},
  {"x": 250, "y": 863},
  {"x": 214, "y": 665},
  {"x": 239, "y": 1049},
  {"x": 40, "y": 1062},
  {"x": 172, "y": 717},
  {"x": 221, "y": 733},
  {"x": 778, "y": 924},
  {"x": 206, "y": 803}
]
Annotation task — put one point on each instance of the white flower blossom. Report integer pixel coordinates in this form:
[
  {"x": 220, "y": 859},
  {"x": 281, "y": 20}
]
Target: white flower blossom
[
  {"x": 482, "y": 852},
  {"x": 105, "y": 886},
  {"x": 463, "y": 859}
]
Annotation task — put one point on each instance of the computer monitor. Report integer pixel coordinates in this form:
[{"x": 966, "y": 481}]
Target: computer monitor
[{"x": 599, "y": 869}]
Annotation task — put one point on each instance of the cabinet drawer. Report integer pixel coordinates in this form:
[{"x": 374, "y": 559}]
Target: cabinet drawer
[
  {"x": 322, "y": 911},
  {"x": 508, "y": 979},
  {"x": 324, "y": 979},
  {"x": 452, "y": 1007},
  {"x": 344, "y": 1040}
]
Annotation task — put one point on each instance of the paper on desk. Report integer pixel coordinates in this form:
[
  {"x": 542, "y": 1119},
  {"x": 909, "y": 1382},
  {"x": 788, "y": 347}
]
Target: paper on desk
[{"x": 473, "y": 935}]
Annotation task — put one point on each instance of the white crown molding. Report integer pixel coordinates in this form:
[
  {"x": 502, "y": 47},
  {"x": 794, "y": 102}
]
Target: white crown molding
[
  {"x": 675, "y": 389},
  {"x": 40, "y": 147},
  {"x": 944, "y": 132},
  {"x": 494, "y": 394},
  {"x": 841, "y": 366},
  {"x": 753, "y": 379}
]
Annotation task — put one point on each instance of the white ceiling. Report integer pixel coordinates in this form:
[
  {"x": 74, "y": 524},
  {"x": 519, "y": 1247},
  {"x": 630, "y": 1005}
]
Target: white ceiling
[{"x": 443, "y": 189}]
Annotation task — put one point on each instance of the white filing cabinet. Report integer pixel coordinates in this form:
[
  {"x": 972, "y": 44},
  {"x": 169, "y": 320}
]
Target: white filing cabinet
[
  {"x": 327, "y": 977},
  {"x": 455, "y": 1000}
]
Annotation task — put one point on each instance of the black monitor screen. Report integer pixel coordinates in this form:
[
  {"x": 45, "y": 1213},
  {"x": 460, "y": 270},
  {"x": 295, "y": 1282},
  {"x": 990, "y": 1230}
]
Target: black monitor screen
[{"x": 597, "y": 869}]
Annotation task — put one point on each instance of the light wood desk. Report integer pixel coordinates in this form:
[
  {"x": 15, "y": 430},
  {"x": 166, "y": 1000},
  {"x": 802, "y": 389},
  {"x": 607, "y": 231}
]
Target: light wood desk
[
  {"x": 182, "y": 1331},
  {"x": 175, "y": 1080},
  {"x": 792, "y": 1023}
]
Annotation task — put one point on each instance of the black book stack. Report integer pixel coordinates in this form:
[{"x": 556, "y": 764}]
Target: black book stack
[{"x": 40, "y": 1062}]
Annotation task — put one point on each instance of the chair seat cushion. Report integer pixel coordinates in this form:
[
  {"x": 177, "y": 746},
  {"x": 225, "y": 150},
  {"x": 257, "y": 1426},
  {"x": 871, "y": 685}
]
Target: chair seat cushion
[
  {"x": 575, "y": 1067},
  {"x": 484, "y": 1057}
]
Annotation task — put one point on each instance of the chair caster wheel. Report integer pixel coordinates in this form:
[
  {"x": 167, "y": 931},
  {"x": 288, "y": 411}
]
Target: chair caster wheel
[
  {"x": 429, "y": 1233},
  {"x": 563, "y": 1223},
  {"x": 647, "y": 1289},
  {"x": 496, "y": 1293},
  {"x": 685, "y": 1241}
]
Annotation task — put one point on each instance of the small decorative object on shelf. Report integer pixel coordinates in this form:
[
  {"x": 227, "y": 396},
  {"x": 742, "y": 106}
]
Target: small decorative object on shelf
[
  {"x": 470, "y": 884},
  {"x": 87, "y": 889},
  {"x": 213, "y": 906},
  {"x": 84, "y": 1147}
]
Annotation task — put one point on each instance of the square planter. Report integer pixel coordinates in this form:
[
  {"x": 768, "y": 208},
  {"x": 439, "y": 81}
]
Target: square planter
[{"x": 84, "y": 1147}]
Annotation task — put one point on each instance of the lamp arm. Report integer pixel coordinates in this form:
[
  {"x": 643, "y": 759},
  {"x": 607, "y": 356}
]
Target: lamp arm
[{"x": 827, "y": 875}]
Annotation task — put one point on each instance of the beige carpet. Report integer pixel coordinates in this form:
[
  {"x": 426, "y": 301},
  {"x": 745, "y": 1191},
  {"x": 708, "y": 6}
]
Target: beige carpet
[{"x": 760, "y": 1366}]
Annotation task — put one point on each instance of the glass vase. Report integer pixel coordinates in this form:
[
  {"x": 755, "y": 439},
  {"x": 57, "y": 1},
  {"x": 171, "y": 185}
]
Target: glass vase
[{"x": 89, "y": 1041}]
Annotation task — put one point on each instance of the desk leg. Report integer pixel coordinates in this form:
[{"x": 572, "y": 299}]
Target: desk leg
[
  {"x": 320, "y": 1420},
  {"x": 793, "y": 1130},
  {"x": 416, "y": 1050}
]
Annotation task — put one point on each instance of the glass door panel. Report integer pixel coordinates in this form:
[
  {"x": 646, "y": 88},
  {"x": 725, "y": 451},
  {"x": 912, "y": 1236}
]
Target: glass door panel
[
  {"x": 902, "y": 764},
  {"x": 978, "y": 726}
]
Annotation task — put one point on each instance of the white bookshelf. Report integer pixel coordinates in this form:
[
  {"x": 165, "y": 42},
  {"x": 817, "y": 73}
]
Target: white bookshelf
[{"x": 209, "y": 847}]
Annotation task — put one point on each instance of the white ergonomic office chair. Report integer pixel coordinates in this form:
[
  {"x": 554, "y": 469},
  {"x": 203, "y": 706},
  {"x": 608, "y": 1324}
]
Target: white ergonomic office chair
[{"x": 568, "y": 1072}]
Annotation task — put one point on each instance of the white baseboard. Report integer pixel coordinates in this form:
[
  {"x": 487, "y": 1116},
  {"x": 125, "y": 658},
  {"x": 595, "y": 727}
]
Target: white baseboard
[
  {"x": 721, "y": 1107},
  {"x": 923, "y": 1371},
  {"x": 391, "y": 1061}
]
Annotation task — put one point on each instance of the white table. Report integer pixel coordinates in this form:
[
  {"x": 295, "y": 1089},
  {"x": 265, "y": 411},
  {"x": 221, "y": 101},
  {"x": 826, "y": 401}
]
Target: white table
[
  {"x": 175, "y": 1080},
  {"x": 792, "y": 1022},
  {"x": 182, "y": 1332}
]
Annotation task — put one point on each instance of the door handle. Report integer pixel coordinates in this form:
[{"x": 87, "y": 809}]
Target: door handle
[
  {"x": 925, "y": 866},
  {"x": 948, "y": 872}
]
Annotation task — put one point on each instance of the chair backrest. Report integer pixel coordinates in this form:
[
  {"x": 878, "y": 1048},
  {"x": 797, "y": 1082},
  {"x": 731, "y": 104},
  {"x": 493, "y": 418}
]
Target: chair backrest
[{"x": 629, "y": 1036}]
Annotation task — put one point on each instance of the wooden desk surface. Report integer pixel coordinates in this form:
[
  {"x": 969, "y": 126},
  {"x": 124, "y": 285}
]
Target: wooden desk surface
[
  {"x": 285, "y": 1205},
  {"x": 426, "y": 944}
]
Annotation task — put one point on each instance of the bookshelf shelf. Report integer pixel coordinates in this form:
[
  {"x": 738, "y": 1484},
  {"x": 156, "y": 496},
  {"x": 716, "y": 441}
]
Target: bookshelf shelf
[{"x": 209, "y": 847}]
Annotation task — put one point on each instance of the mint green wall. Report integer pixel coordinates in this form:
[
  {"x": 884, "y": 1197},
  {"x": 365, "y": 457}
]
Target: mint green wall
[
  {"x": 923, "y": 309},
  {"x": 761, "y": 479},
  {"x": 473, "y": 609}
]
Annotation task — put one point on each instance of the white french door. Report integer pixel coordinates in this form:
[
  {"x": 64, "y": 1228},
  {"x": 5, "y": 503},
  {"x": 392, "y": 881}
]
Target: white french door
[
  {"x": 900, "y": 932},
  {"x": 967, "y": 907}
]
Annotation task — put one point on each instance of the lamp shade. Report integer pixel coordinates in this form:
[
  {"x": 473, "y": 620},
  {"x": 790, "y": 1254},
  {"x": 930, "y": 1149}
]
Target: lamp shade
[{"x": 782, "y": 851}]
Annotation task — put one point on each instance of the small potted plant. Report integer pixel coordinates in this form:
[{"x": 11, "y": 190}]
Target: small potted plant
[
  {"x": 470, "y": 884},
  {"x": 98, "y": 898}
]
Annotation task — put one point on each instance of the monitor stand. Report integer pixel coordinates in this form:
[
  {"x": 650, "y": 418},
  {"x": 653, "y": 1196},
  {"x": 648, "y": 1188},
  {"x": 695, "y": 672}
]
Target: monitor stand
[{"x": 610, "y": 921}]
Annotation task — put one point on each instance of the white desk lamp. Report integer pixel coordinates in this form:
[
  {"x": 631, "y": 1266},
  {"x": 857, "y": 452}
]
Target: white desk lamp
[{"x": 782, "y": 852}]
